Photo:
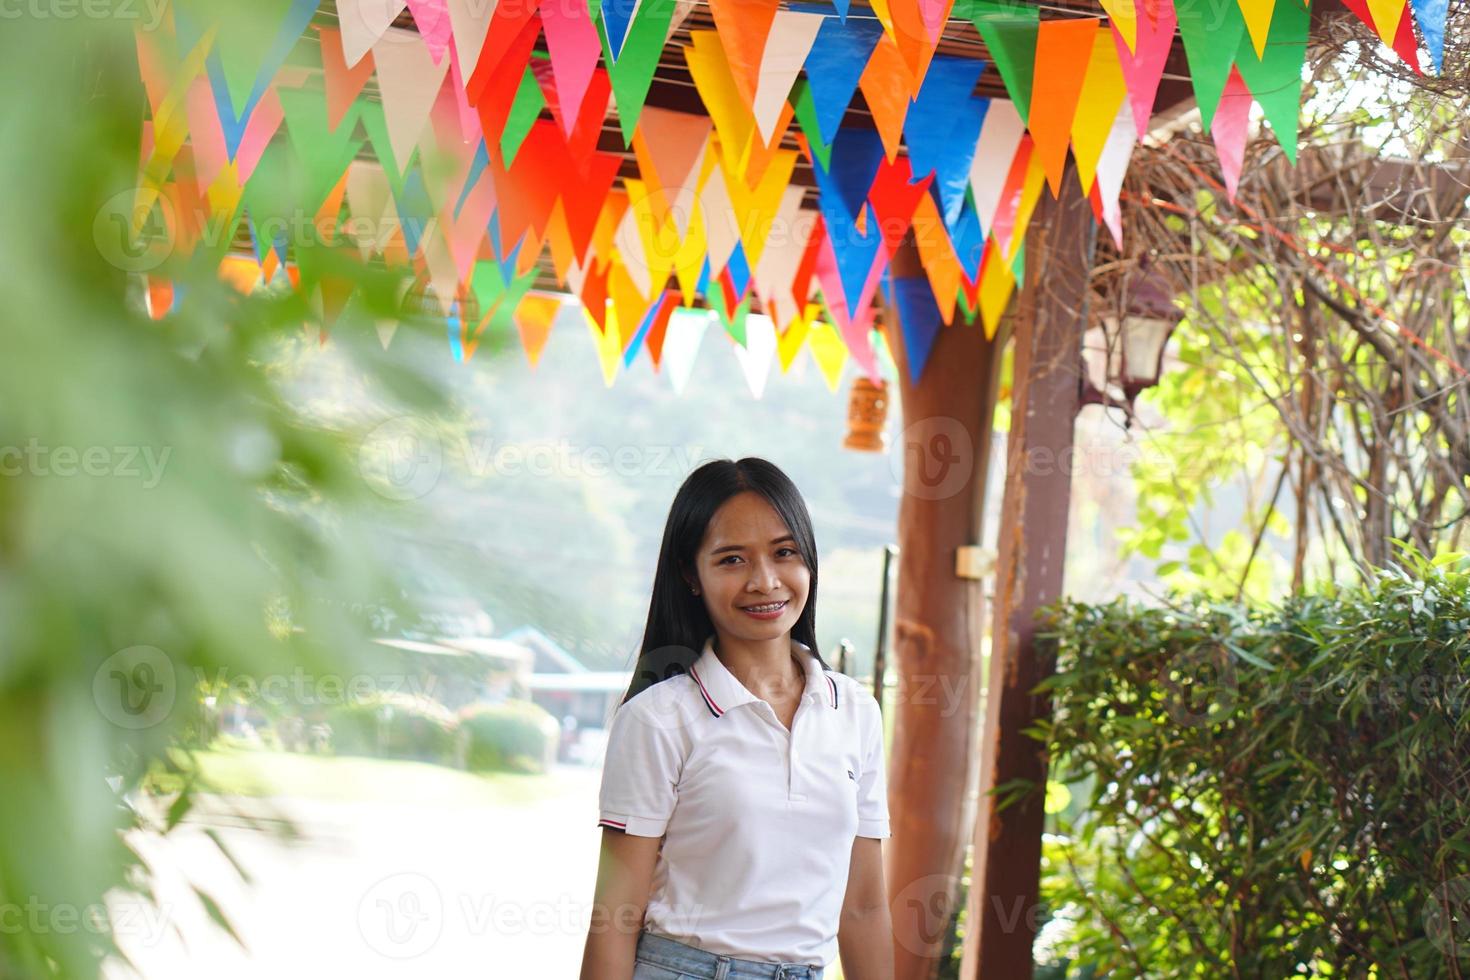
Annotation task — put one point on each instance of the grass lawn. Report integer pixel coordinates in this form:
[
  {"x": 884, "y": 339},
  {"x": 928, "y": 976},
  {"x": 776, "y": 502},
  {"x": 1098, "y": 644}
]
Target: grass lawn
[{"x": 265, "y": 772}]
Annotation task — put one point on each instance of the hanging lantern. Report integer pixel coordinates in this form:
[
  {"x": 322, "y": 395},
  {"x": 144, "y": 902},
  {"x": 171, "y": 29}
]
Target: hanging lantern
[
  {"x": 867, "y": 409},
  {"x": 1125, "y": 354}
]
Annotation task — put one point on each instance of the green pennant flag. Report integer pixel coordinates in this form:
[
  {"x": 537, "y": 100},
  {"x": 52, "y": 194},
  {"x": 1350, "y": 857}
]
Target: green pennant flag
[
  {"x": 632, "y": 72},
  {"x": 323, "y": 152},
  {"x": 1275, "y": 81},
  {"x": 1212, "y": 31},
  {"x": 966, "y": 310},
  {"x": 1009, "y": 32},
  {"x": 252, "y": 39},
  {"x": 376, "y": 127},
  {"x": 497, "y": 294},
  {"x": 529, "y": 102},
  {"x": 806, "y": 118},
  {"x": 733, "y": 323}
]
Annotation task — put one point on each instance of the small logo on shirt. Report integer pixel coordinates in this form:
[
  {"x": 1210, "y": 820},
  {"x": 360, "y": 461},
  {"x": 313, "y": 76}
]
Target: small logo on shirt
[{"x": 851, "y": 776}]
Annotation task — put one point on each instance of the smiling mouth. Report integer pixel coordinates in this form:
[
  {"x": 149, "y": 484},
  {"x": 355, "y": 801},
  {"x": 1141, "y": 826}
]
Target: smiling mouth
[{"x": 767, "y": 607}]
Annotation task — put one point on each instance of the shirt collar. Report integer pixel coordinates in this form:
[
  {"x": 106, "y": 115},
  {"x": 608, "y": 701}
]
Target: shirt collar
[{"x": 721, "y": 690}]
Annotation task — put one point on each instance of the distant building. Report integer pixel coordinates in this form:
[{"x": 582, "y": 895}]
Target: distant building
[
  {"x": 456, "y": 671},
  {"x": 564, "y": 686}
]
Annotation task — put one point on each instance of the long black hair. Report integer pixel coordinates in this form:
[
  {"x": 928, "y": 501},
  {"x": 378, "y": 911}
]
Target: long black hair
[{"x": 678, "y": 623}]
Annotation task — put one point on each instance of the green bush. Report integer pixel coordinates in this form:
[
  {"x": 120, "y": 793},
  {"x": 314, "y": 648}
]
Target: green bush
[
  {"x": 512, "y": 734},
  {"x": 394, "y": 726},
  {"x": 1268, "y": 792}
]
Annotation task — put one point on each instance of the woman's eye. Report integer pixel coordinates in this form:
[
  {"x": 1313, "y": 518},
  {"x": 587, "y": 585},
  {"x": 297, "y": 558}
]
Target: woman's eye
[
  {"x": 727, "y": 558},
  {"x": 783, "y": 550}
]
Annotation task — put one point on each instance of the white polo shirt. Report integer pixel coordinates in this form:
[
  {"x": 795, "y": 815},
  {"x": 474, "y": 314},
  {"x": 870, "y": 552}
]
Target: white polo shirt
[{"x": 758, "y": 822}]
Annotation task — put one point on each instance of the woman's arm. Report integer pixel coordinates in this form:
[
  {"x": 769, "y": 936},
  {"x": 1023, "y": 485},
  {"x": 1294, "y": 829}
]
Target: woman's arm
[
  {"x": 624, "y": 879},
  {"x": 865, "y": 931}
]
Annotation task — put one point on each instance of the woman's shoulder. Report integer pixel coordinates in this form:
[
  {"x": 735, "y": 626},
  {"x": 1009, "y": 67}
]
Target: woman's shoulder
[{"x": 669, "y": 703}]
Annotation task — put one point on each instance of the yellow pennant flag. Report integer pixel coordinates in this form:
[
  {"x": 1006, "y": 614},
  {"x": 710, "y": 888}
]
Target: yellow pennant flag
[
  {"x": 1103, "y": 91},
  {"x": 1257, "y": 14},
  {"x": 828, "y": 351}
]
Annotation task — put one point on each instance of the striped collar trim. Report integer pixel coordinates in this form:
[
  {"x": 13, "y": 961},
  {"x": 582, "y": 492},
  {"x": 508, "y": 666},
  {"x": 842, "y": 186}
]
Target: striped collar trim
[{"x": 721, "y": 690}]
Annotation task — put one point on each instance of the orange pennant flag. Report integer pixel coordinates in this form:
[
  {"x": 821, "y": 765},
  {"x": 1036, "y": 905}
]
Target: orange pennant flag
[
  {"x": 743, "y": 26},
  {"x": 885, "y": 85},
  {"x": 1063, "y": 51},
  {"x": 533, "y": 317},
  {"x": 342, "y": 83}
]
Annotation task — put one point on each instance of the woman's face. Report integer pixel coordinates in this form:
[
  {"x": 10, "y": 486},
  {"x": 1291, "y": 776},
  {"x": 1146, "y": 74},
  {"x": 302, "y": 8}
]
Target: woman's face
[{"x": 749, "y": 560}]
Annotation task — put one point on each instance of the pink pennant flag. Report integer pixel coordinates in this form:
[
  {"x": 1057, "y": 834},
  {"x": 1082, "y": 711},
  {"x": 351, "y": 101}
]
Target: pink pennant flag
[
  {"x": 855, "y": 331},
  {"x": 1143, "y": 66},
  {"x": 469, "y": 119},
  {"x": 205, "y": 132},
  {"x": 934, "y": 13},
  {"x": 1230, "y": 129},
  {"x": 264, "y": 122},
  {"x": 572, "y": 40},
  {"x": 467, "y": 231},
  {"x": 432, "y": 19}
]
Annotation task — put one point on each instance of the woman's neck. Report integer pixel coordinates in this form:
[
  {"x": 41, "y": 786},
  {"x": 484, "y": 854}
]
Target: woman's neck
[{"x": 766, "y": 668}]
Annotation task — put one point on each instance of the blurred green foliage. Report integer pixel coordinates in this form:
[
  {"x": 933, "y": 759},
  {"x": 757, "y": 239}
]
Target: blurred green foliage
[
  {"x": 165, "y": 511},
  {"x": 516, "y": 735},
  {"x": 1269, "y": 791},
  {"x": 394, "y": 725}
]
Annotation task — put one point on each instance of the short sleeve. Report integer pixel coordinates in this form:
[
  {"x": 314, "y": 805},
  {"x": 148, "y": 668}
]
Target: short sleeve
[
  {"x": 640, "y": 772},
  {"x": 873, "y": 782}
]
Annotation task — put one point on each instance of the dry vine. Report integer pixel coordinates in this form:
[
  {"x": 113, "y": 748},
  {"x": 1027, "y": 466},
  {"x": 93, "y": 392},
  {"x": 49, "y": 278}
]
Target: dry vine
[{"x": 1353, "y": 267}]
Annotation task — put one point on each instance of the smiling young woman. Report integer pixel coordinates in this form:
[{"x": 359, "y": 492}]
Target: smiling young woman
[{"x": 743, "y": 799}]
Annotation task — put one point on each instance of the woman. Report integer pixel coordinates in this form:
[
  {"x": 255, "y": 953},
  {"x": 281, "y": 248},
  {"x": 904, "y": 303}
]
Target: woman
[{"x": 743, "y": 799}]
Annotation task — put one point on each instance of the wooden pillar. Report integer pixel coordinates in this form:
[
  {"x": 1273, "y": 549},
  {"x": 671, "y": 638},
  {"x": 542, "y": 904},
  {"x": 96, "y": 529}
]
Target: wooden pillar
[
  {"x": 1003, "y": 909},
  {"x": 938, "y": 623}
]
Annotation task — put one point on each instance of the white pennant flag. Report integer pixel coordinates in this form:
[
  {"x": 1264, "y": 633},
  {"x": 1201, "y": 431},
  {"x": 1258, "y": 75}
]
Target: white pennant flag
[
  {"x": 1112, "y": 166},
  {"x": 1000, "y": 134},
  {"x": 470, "y": 20},
  {"x": 408, "y": 81},
  {"x": 755, "y": 356},
  {"x": 681, "y": 342},
  {"x": 787, "y": 46},
  {"x": 363, "y": 22}
]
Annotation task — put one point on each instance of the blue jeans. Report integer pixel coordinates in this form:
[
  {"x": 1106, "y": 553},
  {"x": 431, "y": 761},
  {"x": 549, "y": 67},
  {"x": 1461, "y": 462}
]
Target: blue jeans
[{"x": 661, "y": 958}]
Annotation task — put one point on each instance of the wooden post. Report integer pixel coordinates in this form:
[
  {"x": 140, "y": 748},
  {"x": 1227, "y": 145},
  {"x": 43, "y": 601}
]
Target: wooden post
[
  {"x": 938, "y": 624},
  {"x": 1003, "y": 908}
]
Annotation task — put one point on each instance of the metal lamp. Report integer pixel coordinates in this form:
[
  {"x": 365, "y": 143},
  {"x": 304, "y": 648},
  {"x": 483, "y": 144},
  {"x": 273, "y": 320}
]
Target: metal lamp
[{"x": 1126, "y": 354}]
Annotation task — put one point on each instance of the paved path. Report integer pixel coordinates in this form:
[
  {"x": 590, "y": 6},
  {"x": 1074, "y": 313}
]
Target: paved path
[{"x": 400, "y": 890}]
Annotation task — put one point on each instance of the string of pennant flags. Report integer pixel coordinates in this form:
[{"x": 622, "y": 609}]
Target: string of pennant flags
[{"x": 470, "y": 152}]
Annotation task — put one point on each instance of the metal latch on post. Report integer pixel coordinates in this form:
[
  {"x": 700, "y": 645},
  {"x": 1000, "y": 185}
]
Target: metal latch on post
[{"x": 973, "y": 561}]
